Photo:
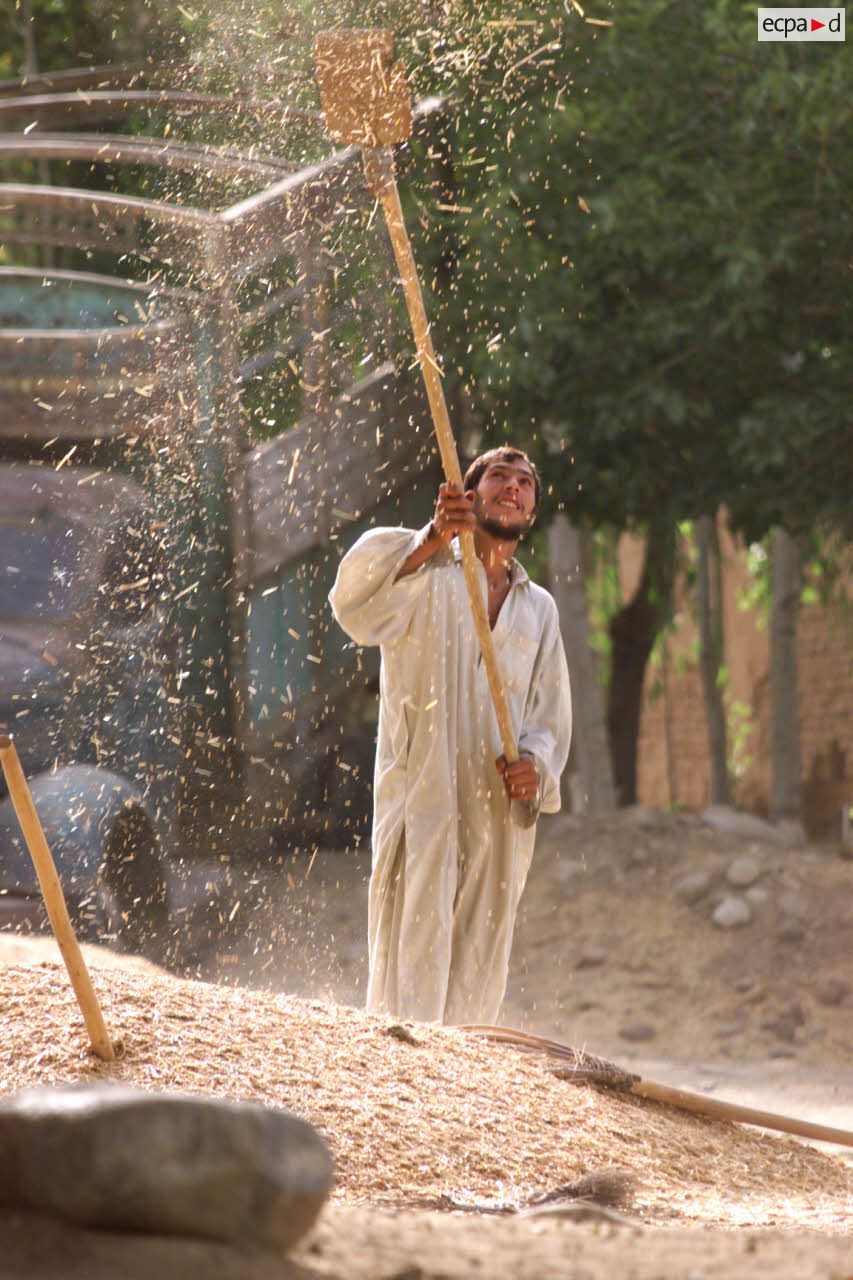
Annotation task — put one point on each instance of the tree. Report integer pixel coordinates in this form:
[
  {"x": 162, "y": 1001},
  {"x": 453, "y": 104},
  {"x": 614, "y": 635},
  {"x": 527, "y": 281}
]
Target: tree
[
  {"x": 710, "y": 612},
  {"x": 657, "y": 271},
  {"x": 566, "y": 580},
  {"x": 785, "y": 795},
  {"x": 72, "y": 33}
]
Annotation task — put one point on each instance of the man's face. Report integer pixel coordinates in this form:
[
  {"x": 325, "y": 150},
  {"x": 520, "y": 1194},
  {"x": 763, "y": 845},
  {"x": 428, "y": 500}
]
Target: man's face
[{"x": 505, "y": 499}]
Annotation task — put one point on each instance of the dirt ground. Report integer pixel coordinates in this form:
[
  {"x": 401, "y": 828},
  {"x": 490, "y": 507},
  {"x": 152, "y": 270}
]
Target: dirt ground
[
  {"x": 609, "y": 955},
  {"x": 616, "y": 952}
]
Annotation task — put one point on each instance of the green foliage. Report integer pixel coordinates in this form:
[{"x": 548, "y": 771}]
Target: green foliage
[
  {"x": 603, "y": 595},
  {"x": 654, "y": 272},
  {"x": 77, "y": 33},
  {"x": 739, "y": 727}
]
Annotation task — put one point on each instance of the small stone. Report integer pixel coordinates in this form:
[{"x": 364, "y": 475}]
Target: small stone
[
  {"x": 646, "y": 819},
  {"x": 794, "y": 904},
  {"x": 785, "y": 1029},
  {"x": 731, "y": 913},
  {"x": 831, "y": 991},
  {"x": 693, "y": 886},
  {"x": 111, "y": 1156},
  {"x": 796, "y": 1012},
  {"x": 781, "y": 1051},
  {"x": 638, "y": 1031},
  {"x": 743, "y": 984},
  {"x": 593, "y": 956},
  {"x": 791, "y": 833},
  {"x": 743, "y": 871},
  {"x": 398, "y": 1032},
  {"x": 791, "y": 931},
  {"x": 784, "y": 1024},
  {"x": 728, "y": 1029},
  {"x": 756, "y": 896}
]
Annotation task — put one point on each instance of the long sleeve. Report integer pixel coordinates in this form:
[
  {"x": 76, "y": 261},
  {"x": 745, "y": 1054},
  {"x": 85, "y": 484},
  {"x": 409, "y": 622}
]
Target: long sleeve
[
  {"x": 366, "y": 600},
  {"x": 546, "y": 733}
]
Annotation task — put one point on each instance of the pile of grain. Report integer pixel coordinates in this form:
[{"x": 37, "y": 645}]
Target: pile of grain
[{"x": 414, "y": 1124}]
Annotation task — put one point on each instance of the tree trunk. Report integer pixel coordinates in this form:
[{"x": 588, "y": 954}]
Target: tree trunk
[
  {"x": 710, "y": 607},
  {"x": 785, "y": 793},
  {"x": 671, "y": 777},
  {"x": 588, "y": 727},
  {"x": 632, "y": 632}
]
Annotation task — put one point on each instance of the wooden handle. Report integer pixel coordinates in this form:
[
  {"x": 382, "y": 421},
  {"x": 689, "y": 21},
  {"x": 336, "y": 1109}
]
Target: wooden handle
[
  {"x": 54, "y": 900},
  {"x": 585, "y": 1067},
  {"x": 379, "y": 172},
  {"x": 718, "y": 1110}
]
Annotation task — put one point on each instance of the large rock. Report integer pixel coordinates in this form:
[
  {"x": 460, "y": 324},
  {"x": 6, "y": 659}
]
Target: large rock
[
  {"x": 111, "y": 1156},
  {"x": 38, "y": 1247}
]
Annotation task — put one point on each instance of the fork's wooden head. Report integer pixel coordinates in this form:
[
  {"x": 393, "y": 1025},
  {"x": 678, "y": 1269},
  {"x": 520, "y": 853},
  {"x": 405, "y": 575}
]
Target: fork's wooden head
[{"x": 363, "y": 92}]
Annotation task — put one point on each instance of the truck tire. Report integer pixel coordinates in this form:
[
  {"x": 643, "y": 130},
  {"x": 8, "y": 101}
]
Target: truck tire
[{"x": 132, "y": 895}]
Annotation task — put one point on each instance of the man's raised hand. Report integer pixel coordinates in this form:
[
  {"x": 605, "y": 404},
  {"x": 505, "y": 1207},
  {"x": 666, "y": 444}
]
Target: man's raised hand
[{"x": 454, "y": 513}]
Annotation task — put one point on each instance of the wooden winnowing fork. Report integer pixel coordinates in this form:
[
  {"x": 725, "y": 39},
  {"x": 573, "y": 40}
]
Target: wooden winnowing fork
[{"x": 366, "y": 102}]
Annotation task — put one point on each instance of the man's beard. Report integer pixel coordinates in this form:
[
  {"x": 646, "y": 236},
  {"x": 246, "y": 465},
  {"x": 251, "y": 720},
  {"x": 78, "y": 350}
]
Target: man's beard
[{"x": 503, "y": 532}]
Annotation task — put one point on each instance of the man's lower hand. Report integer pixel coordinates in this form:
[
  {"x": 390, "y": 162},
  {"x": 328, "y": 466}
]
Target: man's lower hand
[{"x": 521, "y": 778}]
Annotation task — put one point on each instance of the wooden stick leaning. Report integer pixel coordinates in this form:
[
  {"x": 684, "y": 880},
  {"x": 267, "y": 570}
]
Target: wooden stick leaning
[
  {"x": 366, "y": 101},
  {"x": 583, "y": 1068},
  {"x": 54, "y": 900}
]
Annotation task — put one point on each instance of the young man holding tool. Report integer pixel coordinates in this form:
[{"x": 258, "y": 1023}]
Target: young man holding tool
[{"x": 454, "y": 823}]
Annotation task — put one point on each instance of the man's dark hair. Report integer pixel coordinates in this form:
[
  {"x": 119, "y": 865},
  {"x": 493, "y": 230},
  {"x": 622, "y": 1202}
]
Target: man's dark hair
[{"x": 503, "y": 453}]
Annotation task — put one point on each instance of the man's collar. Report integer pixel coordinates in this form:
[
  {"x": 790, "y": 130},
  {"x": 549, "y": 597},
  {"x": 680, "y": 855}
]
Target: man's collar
[{"x": 517, "y": 573}]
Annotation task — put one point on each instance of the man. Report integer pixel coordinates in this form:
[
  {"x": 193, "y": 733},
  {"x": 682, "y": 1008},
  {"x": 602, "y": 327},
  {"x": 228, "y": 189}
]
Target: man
[{"x": 454, "y": 824}]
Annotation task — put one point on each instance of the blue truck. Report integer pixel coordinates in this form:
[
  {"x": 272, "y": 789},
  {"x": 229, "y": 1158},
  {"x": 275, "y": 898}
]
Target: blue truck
[{"x": 199, "y": 403}]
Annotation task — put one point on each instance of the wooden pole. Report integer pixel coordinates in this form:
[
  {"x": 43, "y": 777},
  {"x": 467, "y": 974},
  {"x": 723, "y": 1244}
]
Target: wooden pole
[
  {"x": 379, "y": 173},
  {"x": 54, "y": 900},
  {"x": 717, "y": 1109},
  {"x": 366, "y": 102},
  {"x": 584, "y": 1068}
]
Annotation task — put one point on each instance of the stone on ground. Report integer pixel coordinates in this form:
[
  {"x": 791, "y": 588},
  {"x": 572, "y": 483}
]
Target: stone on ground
[
  {"x": 638, "y": 1032},
  {"x": 731, "y": 913},
  {"x": 743, "y": 871},
  {"x": 116, "y": 1157},
  {"x": 831, "y": 990},
  {"x": 747, "y": 826},
  {"x": 693, "y": 886}
]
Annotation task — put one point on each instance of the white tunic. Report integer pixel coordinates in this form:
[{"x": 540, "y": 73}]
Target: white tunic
[{"x": 450, "y": 851}]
